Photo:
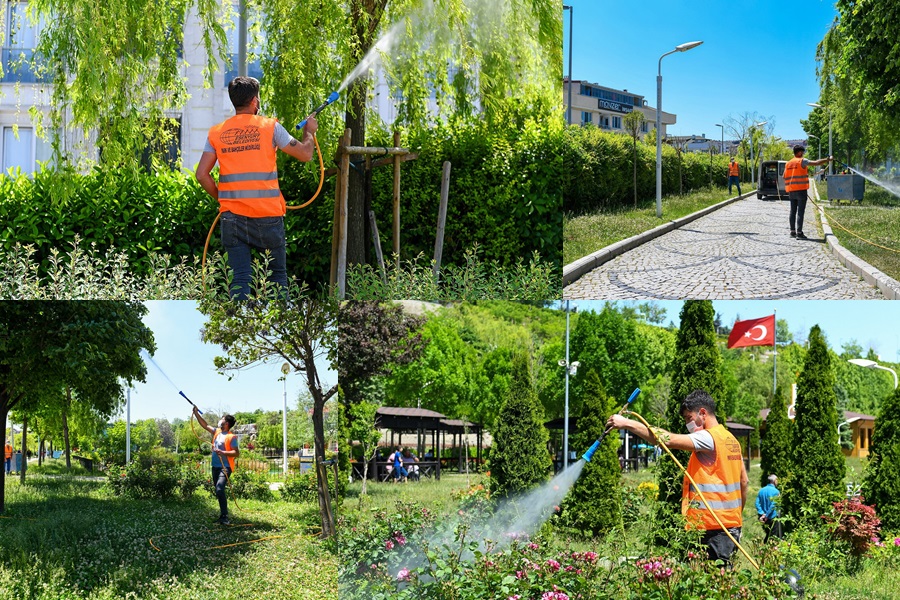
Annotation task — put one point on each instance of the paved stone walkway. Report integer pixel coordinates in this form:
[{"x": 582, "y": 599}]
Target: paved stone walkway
[{"x": 741, "y": 251}]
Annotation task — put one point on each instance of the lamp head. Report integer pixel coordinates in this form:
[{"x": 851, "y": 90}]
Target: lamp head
[
  {"x": 285, "y": 368},
  {"x": 576, "y": 364},
  {"x": 687, "y": 46},
  {"x": 862, "y": 362},
  {"x": 814, "y": 105}
]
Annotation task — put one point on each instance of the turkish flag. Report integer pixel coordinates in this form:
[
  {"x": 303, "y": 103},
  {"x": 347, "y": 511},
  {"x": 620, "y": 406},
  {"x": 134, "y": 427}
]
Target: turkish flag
[{"x": 753, "y": 332}]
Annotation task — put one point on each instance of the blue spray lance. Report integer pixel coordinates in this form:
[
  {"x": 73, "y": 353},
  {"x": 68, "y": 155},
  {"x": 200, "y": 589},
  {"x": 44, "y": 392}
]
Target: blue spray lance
[
  {"x": 189, "y": 400},
  {"x": 315, "y": 113},
  {"x": 590, "y": 453}
]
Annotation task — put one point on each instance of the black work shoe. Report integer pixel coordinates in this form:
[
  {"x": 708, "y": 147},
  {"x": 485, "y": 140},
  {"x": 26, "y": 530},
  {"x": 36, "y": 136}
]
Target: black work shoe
[
  {"x": 224, "y": 521},
  {"x": 793, "y": 234},
  {"x": 801, "y": 235}
]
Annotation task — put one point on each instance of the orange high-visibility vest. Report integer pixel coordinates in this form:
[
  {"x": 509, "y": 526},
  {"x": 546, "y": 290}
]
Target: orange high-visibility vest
[
  {"x": 796, "y": 176},
  {"x": 719, "y": 482},
  {"x": 734, "y": 170},
  {"x": 8, "y": 451},
  {"x": 248, "y": 177},
  {"x": 229, "y": 445}
]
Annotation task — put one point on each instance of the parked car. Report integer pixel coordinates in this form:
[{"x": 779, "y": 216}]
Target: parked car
[{"x": 771, "y": 179}]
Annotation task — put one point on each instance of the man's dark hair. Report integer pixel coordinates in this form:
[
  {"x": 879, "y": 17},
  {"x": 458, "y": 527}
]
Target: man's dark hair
[
  {"x": 798, "y": 148},
  {"x": 242, "y": 90},
  {"x": 230, "y": 420},
  {"x": 696, "y": 400}
]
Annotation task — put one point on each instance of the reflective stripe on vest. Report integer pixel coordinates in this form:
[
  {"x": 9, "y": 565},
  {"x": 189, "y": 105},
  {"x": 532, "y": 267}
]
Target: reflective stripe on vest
[
  {"x": 248, "y": 178},
  {"x": 734, "y": 170},
  {"x": 227, "y": 442},
  {"x": 719, "y": 482},
  {"x": 796, "y": 176}
]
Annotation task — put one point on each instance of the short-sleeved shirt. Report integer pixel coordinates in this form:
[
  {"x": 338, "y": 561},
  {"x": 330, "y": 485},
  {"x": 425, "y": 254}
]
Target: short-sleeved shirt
[
  {"x": 281, "y": 139},
  {"x": 219, "y": 444},
  {"x": 704, "y": 446}
]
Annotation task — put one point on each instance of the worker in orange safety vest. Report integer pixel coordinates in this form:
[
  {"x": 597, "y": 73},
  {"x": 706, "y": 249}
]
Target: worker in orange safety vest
[
  {"x": 796, "y": 183},
  {"x": 224, "y": 452},
  {"x": 8, "y": 453},
  {"x": 716, "y": 465},
  {"x": 734, "y": 176},
  {"x": 250, "y": 202}
]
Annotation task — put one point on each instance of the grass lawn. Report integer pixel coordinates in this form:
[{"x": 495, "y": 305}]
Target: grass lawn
[
  {"x": 877, "y": 219},
  {"x": 588, "y": 233},
  {"x": 66, "y": 538}
]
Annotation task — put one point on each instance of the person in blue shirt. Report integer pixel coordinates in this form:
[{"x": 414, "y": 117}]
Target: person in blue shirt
[
  {"x": 768, "y": 511},
  {"x": 224, "y": 452}
]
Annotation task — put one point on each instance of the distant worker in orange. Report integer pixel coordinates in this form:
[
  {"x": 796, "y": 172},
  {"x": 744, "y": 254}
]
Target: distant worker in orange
[
  {"x": 8, "y": 452},
  {"x": 250, "y": 201},
  {"x": 734, "y": 176},
  {"x": 796, "y": 182}
]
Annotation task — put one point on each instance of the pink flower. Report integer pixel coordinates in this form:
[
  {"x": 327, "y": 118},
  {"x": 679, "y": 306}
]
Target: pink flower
[
  {"x": 403, "y": 575},
  {"x": 515, "y": 597},
  {"x": 555, "y": 595},
  {"x": 389, "y": 544},
  {"x": 533, "y": 546},
  {"x": 554, "y": 566},
  {"x": 399, "y": 537},
  {"x": 897, "y": 541}
]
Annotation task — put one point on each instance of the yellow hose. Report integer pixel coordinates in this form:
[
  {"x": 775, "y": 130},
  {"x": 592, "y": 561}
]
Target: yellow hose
[
  {"x": 304, "y": 205},
  {"x": 694, "y": 483}
]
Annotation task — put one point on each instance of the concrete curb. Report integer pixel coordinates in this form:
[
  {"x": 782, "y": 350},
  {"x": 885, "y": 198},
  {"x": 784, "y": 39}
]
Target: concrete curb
[
  {"x": 574, "y": 270},
  {"x": 889, "y": 287}
]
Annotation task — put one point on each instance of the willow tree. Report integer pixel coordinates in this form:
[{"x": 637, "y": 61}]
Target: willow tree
[{"x": 465, "y": 54}]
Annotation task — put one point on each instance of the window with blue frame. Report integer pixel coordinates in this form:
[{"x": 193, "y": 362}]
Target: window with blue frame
[
  {"x": 617, "y": 122},
  {"x": 23, "y": 149},
  {"x": 587, "y": 117},
  {"x": 19, "y": 42}
]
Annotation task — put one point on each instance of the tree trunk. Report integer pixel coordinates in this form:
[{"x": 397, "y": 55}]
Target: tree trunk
[
  {"x": 65, "y": 424},
  {"x": 356, "y": 190},
  {"x": 365, "y": 480},
  {"x": 324, "y": 496},
  {"x": 4, "y": 413},
  {"x": 24, "y": 450},
  {"x": 634, "y": 164}
]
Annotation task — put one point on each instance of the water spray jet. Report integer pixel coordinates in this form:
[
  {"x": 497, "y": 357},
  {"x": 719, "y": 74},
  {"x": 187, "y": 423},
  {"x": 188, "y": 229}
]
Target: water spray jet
[
  {"x": 146, "y": 356},
  {"x": 590, "y": 453}
]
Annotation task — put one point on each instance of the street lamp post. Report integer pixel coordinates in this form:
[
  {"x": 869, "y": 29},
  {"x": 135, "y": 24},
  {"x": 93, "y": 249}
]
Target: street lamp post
[
  {"x": 128, "y": 426},
  {"x": 285, "y": 369},
  {"x": 571, "y": 369},
  {"x": 571, "y": 12},
  {"x": 680, "y": 48},
  {"x": 871, "y": 364},
  {"x": 830, "y": 153},
  {"x": 752, "y": 162},
  {"x": 820, "y": 144},
  {"x": 722, "y": 144}
]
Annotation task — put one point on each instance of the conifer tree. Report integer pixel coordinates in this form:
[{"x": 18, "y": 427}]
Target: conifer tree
[
  {"x": 776, "y": 446},
  {"x": 519, "y": 457},
  {"x": 881, "y": 485},
  {"x": 592, "y": 505},
  {"x": 696, "y": 367},
  {"x": 818, "y": 463}
]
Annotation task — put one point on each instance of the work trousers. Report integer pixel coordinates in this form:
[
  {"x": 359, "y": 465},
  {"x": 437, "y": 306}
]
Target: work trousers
[{"x": 220, "y": 479}]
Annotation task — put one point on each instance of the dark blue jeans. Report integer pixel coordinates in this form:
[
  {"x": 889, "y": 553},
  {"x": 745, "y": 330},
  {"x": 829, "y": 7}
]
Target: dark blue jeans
[
  {"x": 798, "y": 207},
  {"x": 732, "y": 179},
  {"x": 241, "y": 234},
  {"x": 220, "y": 479}
]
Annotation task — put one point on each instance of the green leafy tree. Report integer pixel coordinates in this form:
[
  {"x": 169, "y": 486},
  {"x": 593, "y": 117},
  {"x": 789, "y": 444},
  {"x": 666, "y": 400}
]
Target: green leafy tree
[
  {"x": 366, "y": 434},
  {"x": 299, "y": 332},
  {"x": 519, "y": 459},
  {"x": 881, "y": 483},
  {"x": 817, "y": 474},
  {"x": 696, "y": 366},
  {"x": 87, "y": 347},
  {"x": 776, "y": 447},
  {"x": 592, "y": 506}
]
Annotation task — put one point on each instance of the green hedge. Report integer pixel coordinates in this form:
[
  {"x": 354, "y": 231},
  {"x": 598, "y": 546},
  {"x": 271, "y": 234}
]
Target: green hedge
[
  {"x": 504, "y": 199},
  {"x": 599, "y": 171}
]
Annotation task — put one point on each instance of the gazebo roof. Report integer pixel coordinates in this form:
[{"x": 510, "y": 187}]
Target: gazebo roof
[
  {"x": 401, "y": 418},
  {"x": 739, "y": 429},
  {"x": 459, "y": 426}
]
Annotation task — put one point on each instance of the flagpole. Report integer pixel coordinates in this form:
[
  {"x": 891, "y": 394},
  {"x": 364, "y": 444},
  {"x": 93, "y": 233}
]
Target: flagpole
[{"x": 775, "y": 349}]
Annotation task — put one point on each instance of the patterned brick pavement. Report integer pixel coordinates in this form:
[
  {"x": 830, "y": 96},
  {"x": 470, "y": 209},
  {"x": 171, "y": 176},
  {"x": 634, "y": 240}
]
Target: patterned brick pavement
[{"x": 741, "y": 251}]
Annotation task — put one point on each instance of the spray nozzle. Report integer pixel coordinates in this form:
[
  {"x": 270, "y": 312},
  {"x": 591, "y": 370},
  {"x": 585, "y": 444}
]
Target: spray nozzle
[
  {"x": 331, "y": 98},
  {"x": 590, "y": 453},
  {"x": 189, "y": 400}
]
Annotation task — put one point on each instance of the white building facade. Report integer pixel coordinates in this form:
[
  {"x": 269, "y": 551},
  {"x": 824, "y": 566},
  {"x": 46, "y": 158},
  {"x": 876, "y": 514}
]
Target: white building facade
[{"x": 594, "y": 105}]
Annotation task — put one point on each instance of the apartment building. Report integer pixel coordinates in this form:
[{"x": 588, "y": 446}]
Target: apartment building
[{"x": 594, "y": 105}]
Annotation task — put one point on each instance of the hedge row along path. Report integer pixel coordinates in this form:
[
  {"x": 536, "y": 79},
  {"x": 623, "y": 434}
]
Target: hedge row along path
[{"x": 741, "y": 251}]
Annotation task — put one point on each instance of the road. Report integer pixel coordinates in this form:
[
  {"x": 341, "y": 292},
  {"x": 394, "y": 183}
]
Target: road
[{"x": 741, "y": 251}]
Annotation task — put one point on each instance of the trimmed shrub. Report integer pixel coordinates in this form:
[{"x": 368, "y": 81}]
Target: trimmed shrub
[
  {"x": 881, "y": 484},
  {"x": 592, "y": 506},
  {"x": 250, "y": 485},
  {"x": 302, "y": 487},
  {"x": 776, "y": 446},
  {"x": 519, "y": 459},
  {"x": 818, "y": 463},
  {"x": 159, "y": 478}
]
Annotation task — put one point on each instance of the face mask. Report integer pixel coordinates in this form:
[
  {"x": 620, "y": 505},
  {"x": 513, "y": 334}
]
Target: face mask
[{"x": 691, "y": 427}]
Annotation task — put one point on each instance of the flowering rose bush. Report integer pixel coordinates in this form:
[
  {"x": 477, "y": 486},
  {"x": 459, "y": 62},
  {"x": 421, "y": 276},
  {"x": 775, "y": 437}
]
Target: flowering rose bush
[{"x": 855, "y": 523}]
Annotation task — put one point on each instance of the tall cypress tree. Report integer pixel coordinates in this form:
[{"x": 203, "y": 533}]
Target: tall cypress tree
[
  {"x": 519, "y": 458},
  {"x": 696, "y": 367},
  {"x": 776, "y": 446},
  {"x": 881, "y": 485},
  {"x": 818, "y": 463},
  {"x": 592, "y": 505}
]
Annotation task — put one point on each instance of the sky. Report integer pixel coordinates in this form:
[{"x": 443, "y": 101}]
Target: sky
[
  {"x": 756, "y": 56},
  {"x": 873, "y": 324},
  {"x": 188, "y": 362}
]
